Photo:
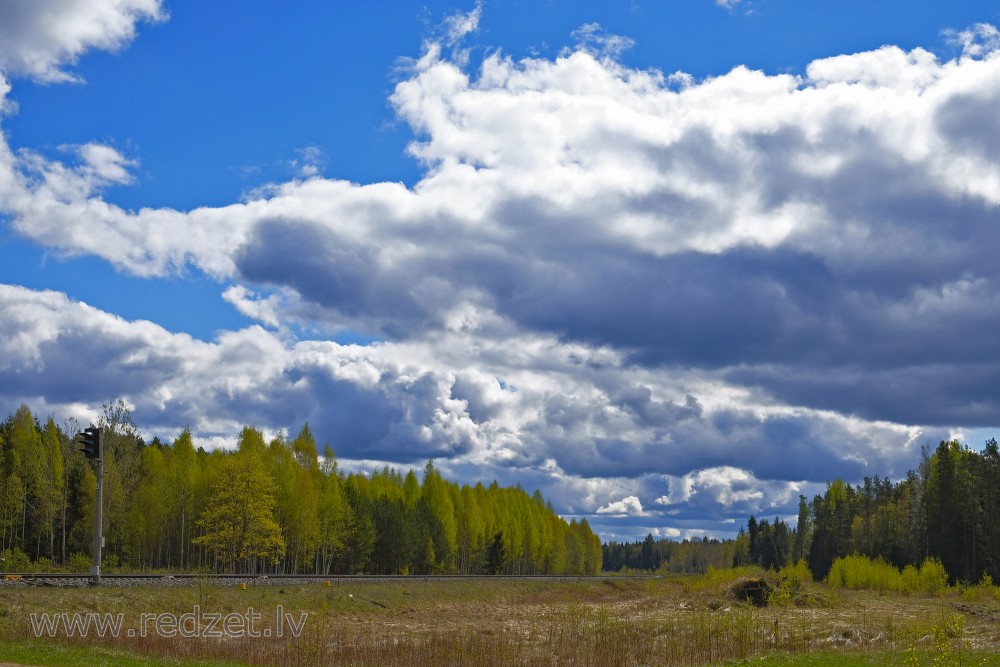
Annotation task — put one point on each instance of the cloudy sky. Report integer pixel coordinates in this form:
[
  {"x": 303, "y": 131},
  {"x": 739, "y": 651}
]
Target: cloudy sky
[{"x": 670, "y": 262}]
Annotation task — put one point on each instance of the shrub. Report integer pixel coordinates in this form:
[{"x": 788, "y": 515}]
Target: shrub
[
  {"x": 793, "y": 579},
  {"x": 718, "y": 580},
  {"x": 79, "y": 562},
  {"x": 933, "y": 577},
  {"x": 862, "y": 573},
  {"x": 909, "y": 579},
  {"x": 14, "y": 560},
  {"x": 984, "y": 590},
  {"x": 796, "y": 575},
  {"x": 43, "y": 564}
]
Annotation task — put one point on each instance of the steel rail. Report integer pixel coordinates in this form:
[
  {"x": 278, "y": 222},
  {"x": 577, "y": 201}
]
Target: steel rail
[{"x": 223, "y": 579}]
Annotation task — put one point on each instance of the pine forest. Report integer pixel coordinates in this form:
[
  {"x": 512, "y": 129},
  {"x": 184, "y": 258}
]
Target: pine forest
[{"x": 946, "y": 512}]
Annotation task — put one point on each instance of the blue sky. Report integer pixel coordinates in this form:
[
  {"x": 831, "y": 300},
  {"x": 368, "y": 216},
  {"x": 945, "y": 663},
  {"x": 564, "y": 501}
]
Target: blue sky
[{"x": 670, "y": 262}]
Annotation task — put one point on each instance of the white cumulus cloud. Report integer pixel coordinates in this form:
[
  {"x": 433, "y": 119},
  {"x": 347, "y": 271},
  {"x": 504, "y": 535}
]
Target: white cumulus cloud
[
  {"x": 625, "y": 506},
  {"x": 39, "y": 37},
  {"x": 728, "y": 486}
]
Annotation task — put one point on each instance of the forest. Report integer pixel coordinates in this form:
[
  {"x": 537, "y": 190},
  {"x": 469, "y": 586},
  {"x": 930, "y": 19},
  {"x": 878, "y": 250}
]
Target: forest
[
  {"x": 947, "y": 509},
  {"x": 263, "y": 507},
  {"x": 684, "y": 557},
  {"x": 279, "y": 506}
]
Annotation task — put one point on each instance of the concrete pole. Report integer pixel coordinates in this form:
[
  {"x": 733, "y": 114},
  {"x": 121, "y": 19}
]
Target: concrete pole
[{"x": 98, "y": 516}]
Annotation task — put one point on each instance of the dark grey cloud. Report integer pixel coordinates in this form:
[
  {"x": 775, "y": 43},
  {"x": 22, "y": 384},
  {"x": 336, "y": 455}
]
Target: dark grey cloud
[
  {"x": 323, "y": 268},
  {"x": 328, "y": 270},
  {"x": 935, "y": 394},
  {"x": 970, "y": 122},
  {"x": 382, "y": 423},
  {"x": 690, "y": 309},
  {"x": 777, "y": 447},
  {"x": 76, "y": 367}
]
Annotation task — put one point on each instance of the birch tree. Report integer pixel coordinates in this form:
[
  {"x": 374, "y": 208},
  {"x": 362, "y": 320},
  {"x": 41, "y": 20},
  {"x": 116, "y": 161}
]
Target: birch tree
[{"x": 238, "y": 520}]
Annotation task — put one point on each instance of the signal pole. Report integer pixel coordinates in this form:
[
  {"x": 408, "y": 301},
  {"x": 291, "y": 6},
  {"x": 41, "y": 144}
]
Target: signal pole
[
  {"x": 93, "y": 448},
  {"x": 98, "y": 524}
]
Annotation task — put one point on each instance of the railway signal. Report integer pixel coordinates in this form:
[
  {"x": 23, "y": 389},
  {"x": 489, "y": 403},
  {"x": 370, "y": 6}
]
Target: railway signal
[
  {"x": 90, "y": 438},
  {"x": 93, "y": 448}
]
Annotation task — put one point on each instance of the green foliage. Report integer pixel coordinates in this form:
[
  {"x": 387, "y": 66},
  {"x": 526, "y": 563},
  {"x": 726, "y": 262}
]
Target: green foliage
[
  {"x": 14, "y": 560},
  {"x": 721, "y": 580},
  {"x": 671, "y": 557},
  {"x": 985, "y": 590},
  {"x": 933, "y": 577},
  {"x": 274, "y": 507},
  {"x": 944, "y": 510},
  {"x": 859, "y": 572},
  {"x": 239, "y": 518},
  {"x": 949, "y": 645},
  {"x": 796, "y": 574},
  {"x": 79, "y": 562}
]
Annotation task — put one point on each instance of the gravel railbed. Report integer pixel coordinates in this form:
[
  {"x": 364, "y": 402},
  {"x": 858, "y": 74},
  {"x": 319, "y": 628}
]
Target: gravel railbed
[{"x": 182, "y": 580}]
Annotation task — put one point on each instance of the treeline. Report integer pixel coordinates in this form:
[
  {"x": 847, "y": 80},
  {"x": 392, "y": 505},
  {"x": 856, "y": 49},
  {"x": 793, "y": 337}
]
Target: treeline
[
  {"x": 266, "y": 507},
  {"x": 685, "y": 557},
  {"x": 946, "y": 509}
]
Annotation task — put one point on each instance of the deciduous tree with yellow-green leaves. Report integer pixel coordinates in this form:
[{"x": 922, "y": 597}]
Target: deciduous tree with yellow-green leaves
[
  {"x": 238, "y": 520},
  {"x": 269, "y": 507}
]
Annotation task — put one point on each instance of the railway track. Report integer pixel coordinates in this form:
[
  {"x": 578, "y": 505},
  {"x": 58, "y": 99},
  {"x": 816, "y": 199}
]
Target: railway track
[{"x": 22, "y": 580}]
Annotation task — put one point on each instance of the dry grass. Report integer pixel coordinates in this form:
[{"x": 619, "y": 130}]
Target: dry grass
[{"x": 613, "y": 622}]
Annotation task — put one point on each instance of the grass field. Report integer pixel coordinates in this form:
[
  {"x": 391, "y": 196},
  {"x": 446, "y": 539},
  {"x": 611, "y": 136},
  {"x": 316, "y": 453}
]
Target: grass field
[{"x": 612, "y": 621}]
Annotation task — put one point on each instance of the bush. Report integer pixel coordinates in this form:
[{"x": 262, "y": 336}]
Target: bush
[
  {"x": 79, "y": 562},
  {"x": 933, "y": 577},
  {"x": 719, "y": 580},
  {"x": 14, "y": 560},
  {"x": 862, "y": 573},
  {"x": 909, "y": 579},
  {"x": 987, "y": 587},
  {"x": 111, "y": 563},
  {"x": 795, "y": 575},
  {"x": 793, "y": 579},
  {"x": 43, "y": 564}
]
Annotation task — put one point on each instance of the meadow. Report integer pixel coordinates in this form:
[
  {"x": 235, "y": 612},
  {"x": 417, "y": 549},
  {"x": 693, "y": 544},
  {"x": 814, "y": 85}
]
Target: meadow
[{"x": 604, "y": 621}]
